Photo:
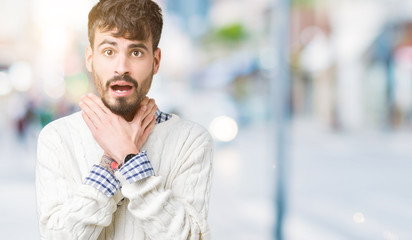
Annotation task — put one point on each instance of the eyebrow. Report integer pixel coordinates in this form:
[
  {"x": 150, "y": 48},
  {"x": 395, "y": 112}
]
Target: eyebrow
[
  {"x": 138, "y": 45},
  {"x": 131, "y": 46},
  {"x": 107, "y": 42}
]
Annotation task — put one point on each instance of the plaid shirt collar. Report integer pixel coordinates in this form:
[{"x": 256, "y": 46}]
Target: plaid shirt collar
[{"x": 161, "y": 116}]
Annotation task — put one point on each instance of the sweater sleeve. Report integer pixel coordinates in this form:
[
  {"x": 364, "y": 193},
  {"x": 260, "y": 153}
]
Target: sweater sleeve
[
  {"x": 67, "y": 208},
  {"x": 178, "y": 211}
]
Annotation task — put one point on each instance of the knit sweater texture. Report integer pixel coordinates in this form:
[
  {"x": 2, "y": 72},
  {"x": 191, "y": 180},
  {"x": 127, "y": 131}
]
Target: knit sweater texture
[{"x": 173, "y": 204}]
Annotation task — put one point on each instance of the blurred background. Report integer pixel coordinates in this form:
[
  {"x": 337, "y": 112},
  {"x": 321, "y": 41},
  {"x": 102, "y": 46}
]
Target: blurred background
[{"x": 317, "y": 141}]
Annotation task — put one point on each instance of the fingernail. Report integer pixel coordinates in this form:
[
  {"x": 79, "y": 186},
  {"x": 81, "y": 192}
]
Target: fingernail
[{"x": 144, "y": 108}]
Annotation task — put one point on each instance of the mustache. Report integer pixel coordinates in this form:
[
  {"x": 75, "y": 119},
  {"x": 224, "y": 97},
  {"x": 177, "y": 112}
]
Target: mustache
[{"x": 125, "y": 78}]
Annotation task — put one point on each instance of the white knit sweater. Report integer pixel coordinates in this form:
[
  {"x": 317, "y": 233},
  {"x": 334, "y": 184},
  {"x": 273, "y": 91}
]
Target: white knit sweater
[{"x": 173, "y": 204}]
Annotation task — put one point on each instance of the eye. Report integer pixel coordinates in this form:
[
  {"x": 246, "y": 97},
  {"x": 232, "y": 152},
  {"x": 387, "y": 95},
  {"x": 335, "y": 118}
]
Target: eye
[
  {"x": 136, "y": 53},
  {"x": 108, "y": 52}
]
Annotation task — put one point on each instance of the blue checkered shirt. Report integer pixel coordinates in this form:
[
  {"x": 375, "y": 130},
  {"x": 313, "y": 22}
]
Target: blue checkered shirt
[{"x": 137, "y": 168}]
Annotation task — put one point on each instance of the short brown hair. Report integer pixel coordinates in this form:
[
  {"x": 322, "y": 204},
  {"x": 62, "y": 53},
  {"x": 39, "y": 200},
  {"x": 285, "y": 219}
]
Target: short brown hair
[{"x": 133, "y": 19}]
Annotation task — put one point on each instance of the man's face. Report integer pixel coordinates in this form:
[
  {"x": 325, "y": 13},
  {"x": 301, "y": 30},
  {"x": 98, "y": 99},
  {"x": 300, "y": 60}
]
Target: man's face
[{"x": 122, "y": 70}]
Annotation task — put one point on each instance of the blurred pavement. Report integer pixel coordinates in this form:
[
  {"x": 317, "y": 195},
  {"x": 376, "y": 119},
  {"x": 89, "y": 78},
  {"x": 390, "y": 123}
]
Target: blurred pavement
[{"x": 341, "y": 186}]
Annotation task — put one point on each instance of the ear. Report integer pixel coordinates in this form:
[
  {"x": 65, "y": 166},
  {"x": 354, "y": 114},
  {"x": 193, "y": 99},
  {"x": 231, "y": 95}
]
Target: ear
[
  {"x": 89, "y": 58},
  {"x": 156, "y": 60}
]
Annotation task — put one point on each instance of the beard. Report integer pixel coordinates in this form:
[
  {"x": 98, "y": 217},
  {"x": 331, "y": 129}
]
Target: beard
[{"x": 123, "y": 106}]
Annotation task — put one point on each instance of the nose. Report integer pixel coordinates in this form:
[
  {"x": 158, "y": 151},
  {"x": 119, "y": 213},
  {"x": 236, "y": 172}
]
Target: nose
[{"x": 122, "y": 65}]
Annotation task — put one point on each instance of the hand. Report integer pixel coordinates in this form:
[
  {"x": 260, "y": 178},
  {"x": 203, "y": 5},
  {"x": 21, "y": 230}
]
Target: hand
[
  {"x": 113, "y": 133},
  {"x": 149, "y": 120}
]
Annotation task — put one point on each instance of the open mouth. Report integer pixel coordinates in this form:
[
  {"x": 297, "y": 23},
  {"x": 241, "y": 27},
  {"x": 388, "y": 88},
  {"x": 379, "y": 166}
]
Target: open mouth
[{"x": 121, "y": 87}]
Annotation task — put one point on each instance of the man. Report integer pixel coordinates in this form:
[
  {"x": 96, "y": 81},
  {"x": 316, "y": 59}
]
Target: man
[{"x": 121, "y": 168}]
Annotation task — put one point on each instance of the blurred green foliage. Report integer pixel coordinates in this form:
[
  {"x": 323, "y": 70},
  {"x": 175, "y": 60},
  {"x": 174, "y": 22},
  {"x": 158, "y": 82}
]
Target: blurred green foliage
[
  {"x": 231, "y": 33},
  {"x": 304, "y": 2}
]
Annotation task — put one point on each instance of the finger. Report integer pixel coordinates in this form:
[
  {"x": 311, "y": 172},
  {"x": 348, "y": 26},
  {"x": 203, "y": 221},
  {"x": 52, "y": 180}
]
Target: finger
[
  {"x": 94, "y": 107},
  {"x": 144, "y": 101},
  {"x": 89, "y": 112},
  {"x": 139, "y": 115},
  {"x": 149, "y": 118},
  {"x": 99, "y": 102},
  {"x": 89, "y": 122},
  {"x": 151, "y": 105},
  {"x": 96, "y": 103},
  {"x": 148, "y": 130}
]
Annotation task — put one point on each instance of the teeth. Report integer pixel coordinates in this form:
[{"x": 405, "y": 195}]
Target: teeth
[{"x": 120, "y": 91}]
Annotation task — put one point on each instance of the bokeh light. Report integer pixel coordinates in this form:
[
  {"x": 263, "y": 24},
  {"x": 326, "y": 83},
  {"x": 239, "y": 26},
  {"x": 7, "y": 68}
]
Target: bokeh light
[
  {"x": 21, "y": 76},
  {"x": 358, "y": 217},
  {"x": 54, "y": 84},
  {"x": 223, "y": 128},
  {"x": 5, "y": 85},
  {"x": 77, "y": 85}
]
